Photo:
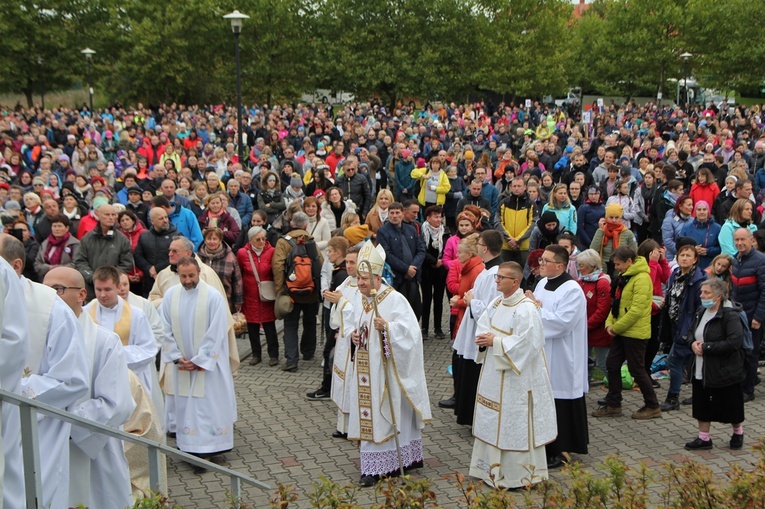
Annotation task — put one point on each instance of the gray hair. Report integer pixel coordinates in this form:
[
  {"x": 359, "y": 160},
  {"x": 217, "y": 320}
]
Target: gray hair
[
  {"x": 589, "y": 257},
  {"x": 718, "y": 287},
  {"x": 299, "y": 220},
  {"x": 186, "y": 243},
  {"x": 254, "y": 231}
]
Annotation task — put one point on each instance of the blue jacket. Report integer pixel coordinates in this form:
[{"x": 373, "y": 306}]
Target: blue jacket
[
  {"x": 404, "y": 248},
  {"x": 706, "y": 235},
  {"x": 759, "y": 180},
  {"x": 690, "y": 301},
  {"x": 749, "y": 284},
  {"x": 187, "y": 225},
  {"x": 588, "y": 216},
  {"x": 403, "y": 178},
  {"x": 122, "y": 196},
  {"x": 243, "y": 204},
  {"x": 491, "y": 193},
  {"x": 566, "y": 216},
  {"x": 670, "y": 231}
]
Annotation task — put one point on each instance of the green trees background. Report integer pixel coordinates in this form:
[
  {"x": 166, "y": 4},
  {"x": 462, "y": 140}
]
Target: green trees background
[{"x": 161, "y": 51}]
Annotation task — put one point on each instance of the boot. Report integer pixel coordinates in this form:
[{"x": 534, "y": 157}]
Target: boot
[{"x": 671, "y": 403}]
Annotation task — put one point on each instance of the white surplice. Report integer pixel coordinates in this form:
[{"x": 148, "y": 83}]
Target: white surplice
[
  {"x": 151, "y": 314},
  {"x": 484, "y": 291},
  {"x": 205, "y": 422},
  {"x": 59, "y": 376},
  {"x": 14, "y": 349},
  {"x": 370, "y": 419},
  {"x": 564, "y": 317},
  {"x": 343, "y": 318},
  {"x": 100, "y": 476},
  {"x": 141, "y": 350},
  {"x": 515, "y": 409}
]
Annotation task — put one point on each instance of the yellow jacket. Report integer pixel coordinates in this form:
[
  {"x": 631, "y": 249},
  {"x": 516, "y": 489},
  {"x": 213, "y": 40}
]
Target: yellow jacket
[
  {"x": 443, "y": 187},
  {"x": 517, "y": 221}
]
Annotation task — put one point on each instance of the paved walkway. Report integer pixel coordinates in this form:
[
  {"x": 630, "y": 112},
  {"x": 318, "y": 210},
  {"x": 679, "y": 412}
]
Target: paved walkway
[{"x": 283, "y": 438}]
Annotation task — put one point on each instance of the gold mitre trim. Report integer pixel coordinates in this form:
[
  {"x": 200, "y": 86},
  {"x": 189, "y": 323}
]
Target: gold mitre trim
[{"x": 374, "y": 255}]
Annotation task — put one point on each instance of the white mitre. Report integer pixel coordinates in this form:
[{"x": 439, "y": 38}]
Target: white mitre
[{"x": 374, "y": 255}]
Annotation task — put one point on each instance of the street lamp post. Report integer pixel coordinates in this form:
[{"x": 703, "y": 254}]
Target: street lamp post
[
  {"x": 237, "y": 18},
  {"x": 686, "y": 57},
  {"x": 89, "y": 56}
]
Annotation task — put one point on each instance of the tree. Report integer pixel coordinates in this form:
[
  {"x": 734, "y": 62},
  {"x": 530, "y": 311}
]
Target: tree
[
  {"x": 624, "y": 46},
  {"x": 41, "y": 43}
]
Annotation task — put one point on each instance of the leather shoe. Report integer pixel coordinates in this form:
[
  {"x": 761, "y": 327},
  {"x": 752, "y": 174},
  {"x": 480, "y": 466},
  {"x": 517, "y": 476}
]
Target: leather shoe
[
  {"x": 555, "y": 462},
  {"x": 367, "y": 481},
  {"x": 289, "y": 367},
  {"x": 699, "y": 445},
  {"x": 736, "y": 441},
  {"x": 416, "y": 465},
  {"x": 602, "y": 402},
  {"x": 254, "y": 361},
  {"x": 273, "y": 361},
  {"x": 448, "y": 403},
  {"x": 440, "y": 334},
  {"x": 748, "y": 397},
  {"x": 339, "y": 434}
]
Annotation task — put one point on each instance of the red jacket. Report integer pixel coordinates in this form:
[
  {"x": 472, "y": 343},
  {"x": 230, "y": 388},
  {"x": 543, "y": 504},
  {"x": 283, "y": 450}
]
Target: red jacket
[
  {"x": 704, "y": 192},
  {"x": 254, "y": 309},
  {"x": 469, "y": 273},
  {"x": 133, "y": 238},
  {"x": 88, "y": 223},
  {"x": 598, "y": 296},
  {"x": 659, "y": 276}
]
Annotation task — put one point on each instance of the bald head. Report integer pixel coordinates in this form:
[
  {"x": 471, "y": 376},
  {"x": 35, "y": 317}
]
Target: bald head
[
  {"x": 70, "y": 286},
  {"x": 12, "y": 249}
]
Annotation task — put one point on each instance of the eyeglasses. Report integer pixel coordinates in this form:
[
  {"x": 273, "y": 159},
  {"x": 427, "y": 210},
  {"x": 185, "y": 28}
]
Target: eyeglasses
[
  {"x": 61, "y": 289},
  {"x": 543, "y": 261},
  {"x": 500, "y": 277},
  {"x": 480, "y": 244}
]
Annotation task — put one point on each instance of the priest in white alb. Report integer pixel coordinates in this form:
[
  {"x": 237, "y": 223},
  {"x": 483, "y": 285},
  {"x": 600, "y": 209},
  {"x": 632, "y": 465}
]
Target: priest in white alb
[
  {"x": 99, "y": 473},
  {"x": 144, "y": 305},
  {"x": 563, "y": 308},
  {"x": 388, "y": 373},
  {"x": 14, "y": 348},
  {"x": 130, "y": 323},
  {"x": 346, "y": 301},
  {"x": 196, "y": 351},
  {"x": 515, "y": 409},
  {"x": 56, "y": 372}
]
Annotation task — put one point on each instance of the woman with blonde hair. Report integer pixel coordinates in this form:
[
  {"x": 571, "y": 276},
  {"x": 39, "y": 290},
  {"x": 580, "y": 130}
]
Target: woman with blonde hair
[
  {"x": 216, "y": 216},
  {"x": 560, "y": 204},
  {"x": 378, "y": 214}
]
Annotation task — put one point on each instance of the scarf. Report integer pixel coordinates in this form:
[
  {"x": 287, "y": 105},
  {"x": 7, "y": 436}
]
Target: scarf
[
  {"x": 434, "y": 236},
  {"x": 617, "y": 287},
  {"x": 210, "y": 253},
  {"x": 675, "y": 292},
  {"x": 74, "y": 214},
  {"x": 56, "y": 249},
  {"x": 592, "y": 276},
  {"x": 672, "y": 197},
  {"x": 383, "y": 215},
  {"x": 612, "y": 232}
]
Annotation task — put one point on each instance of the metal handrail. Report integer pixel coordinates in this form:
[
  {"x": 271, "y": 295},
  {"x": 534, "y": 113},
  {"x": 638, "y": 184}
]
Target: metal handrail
[{"x": 28, "y": 409}]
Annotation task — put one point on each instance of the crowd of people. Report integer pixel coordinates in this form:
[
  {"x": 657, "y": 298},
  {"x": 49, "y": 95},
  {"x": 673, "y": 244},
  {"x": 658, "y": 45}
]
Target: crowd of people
[{"x": 634, "y": 233}]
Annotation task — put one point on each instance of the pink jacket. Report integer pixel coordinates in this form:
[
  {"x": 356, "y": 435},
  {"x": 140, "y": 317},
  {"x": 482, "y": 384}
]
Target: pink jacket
[{"x": 450, "y": 251}]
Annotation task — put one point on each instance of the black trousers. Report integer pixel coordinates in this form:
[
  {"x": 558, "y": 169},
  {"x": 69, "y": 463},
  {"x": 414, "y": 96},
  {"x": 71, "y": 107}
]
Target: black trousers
[
  {"x": 410, "y": 289},
  {"x": 308, "y": 337},
  {"x": 652, "y": 348},
  {"x": 433, "y": 288},
  {"x": 751, "y": 362},
  {"x": 329, "y": 351},
  {"x": 633, "y": 351},
  {"x": 272, "y": 340}
]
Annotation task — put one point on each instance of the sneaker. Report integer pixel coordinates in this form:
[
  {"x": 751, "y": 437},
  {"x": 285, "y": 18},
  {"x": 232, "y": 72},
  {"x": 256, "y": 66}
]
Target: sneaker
[
  {"x": 655, "y": 384},
  {"x": 318, "y": 394},
  {"x": 736, "y": 441},
  {"x": 699, "y": 445},
  {"x": 647, "y": 413},
  {"x": 607, "y": 411}
]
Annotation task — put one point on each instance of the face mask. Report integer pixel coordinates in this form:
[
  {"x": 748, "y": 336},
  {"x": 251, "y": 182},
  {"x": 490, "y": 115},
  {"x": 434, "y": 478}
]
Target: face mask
[{"x": 707, "y": 303}]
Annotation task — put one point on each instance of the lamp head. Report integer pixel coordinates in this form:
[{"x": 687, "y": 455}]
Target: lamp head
[{"x": 237, "y": 19}]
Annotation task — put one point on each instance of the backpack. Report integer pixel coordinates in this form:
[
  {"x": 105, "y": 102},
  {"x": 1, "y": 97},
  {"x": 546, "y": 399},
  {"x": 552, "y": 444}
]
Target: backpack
[
  {"x": 301, "y": 273},
  {"x": 746, "y": 333}
]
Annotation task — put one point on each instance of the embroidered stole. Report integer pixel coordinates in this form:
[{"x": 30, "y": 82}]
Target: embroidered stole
[
  {"x": 121, "y": 326},
  {"x": 39, "y": 299},
  {"x": 200, "y": 327},
  {"x": 366, "y": 423}
]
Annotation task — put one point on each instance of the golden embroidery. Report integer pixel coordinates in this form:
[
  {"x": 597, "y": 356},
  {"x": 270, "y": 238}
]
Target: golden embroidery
[{"x": 493, "y": 405}]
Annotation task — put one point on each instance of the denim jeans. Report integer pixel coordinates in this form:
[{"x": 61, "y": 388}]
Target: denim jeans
[{"x": 679, "y": 359}]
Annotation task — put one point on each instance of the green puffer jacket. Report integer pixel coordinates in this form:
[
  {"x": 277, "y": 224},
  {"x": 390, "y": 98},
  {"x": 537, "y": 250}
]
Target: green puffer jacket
[{"x": 634, "y": 317}]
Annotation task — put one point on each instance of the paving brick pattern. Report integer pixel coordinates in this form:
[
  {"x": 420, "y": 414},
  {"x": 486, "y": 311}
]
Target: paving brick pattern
[{"x": 281, "y": 437}]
